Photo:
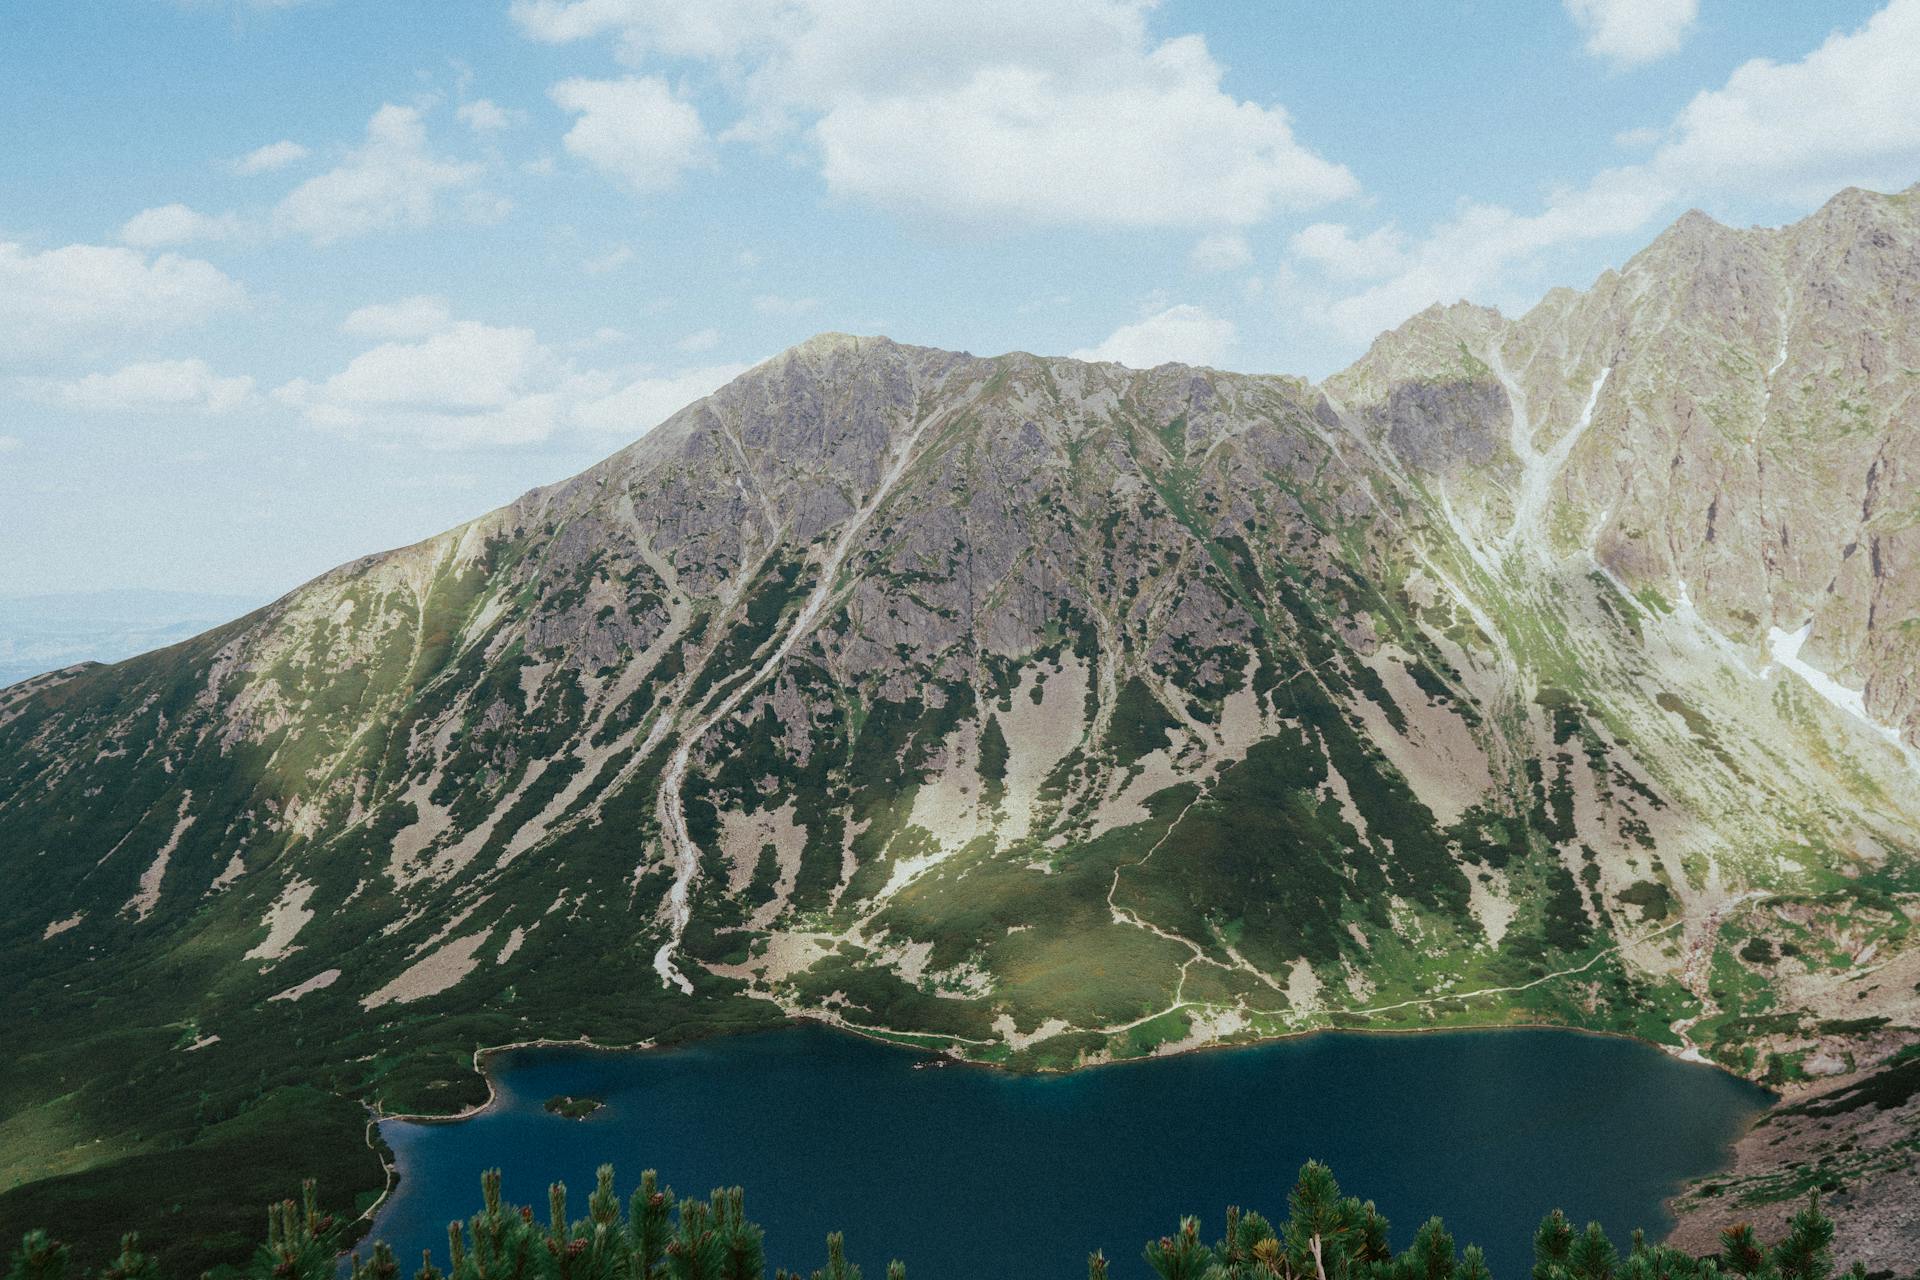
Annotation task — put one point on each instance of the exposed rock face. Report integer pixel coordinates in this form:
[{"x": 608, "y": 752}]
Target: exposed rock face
[{"x": 1054, "y": 711}]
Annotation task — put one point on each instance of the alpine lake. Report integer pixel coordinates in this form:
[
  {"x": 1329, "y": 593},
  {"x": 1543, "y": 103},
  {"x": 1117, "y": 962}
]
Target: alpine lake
[{"x": 961, "y": 1170}]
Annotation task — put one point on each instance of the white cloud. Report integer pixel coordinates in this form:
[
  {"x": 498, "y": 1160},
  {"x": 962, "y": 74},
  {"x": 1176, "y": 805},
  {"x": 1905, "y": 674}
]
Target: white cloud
[
  {"x": 475, "y": 385},
  {"x": 88, "y": 293},
  {"x": 1221, "y": 251},
  {"x": 713, "y": 29},
  {"x": 468, "y": 366},
  {"x": 645, "y": 403},
  {"x": 1337, "y": 251},
  {"x": 1185, "y": 333},
  {"x": 413, "y": 317},
  {"x": 772, "y": 304},
  {"x": 1629, "y": 33},
  {"x": 1474, "y": 254},
  {"x": 701, "y": 340},
  {"x": 275, "y": 155},
  {"x": 1843, "y": 115},
  {"x": 150, "y": 386},
  {"x": 612, "y": 260},
  {"x": 390, "y": 181},
  {"x": 469, "y": 384},
  {"x": 634, "y": 129},
  {"x": 1789, "y": 133},
  {"x": 1065, "y": 112},
  {"x": 483, "y": 116},
  {"x": 9, "y": 444},
  {"x": 1160, "y": 145},
  {"x": 176, "y": 224}
]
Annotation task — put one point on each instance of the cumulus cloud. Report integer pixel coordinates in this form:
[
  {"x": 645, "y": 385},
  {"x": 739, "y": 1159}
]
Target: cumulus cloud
[
  {"x": 1629, "y": 33},
  {"x": 1843, "y": 115},
  {"x": 1473, "y": 254},
  {"x": 92, "y": 293},
  {"x": 1337, "y": 251},
  {"x": 10, "y": 443},
  {"x": 644, "y": 403},
  {"x": 148, "y": 387},
  {"x": 635, "y": 130},
  {"x": 176, "y": 224},
  {"x": 1780, "y": 132},
  {"x": 469, "y": 384},
  {"x": 273, "y": 156},
  {"x": 473, "y": 385},
  {"x": 1164, "y": 147},
  {"x": 391, "y": 180},
  {"x": 483, "y": 116},
  {"x": 1186, "y": 334},
  {"x": 714, "y": 29},
  {"x": 1221, "y": 251},
  {"x": 699, "y": 340},
  {"x": 999, "y": 110},
  {"x": 413, "y": 317}
]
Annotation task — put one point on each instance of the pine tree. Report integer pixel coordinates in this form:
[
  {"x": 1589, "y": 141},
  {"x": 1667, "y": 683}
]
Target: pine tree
[
  {"x": 837, "y": 1268},
  {"x": 39, "y": 1257},
  {"x": 742, "y": 1244},
  {"x": 382, "y": 1266},
  {"x": 1807, "y": 1251},
  {"x": 647, "y": 1215},
  {"x": 132, "y": 1264},
  {"x": 696, "y": 1251},
  {"x": 1326, "y": 1236},
  {"x": 501, "y": 1239},
  {"x": 1552, "y": 1244},
  {"x": 1740, "y": 1250},
  {"x": 300, "y": 1243},
  {"x": 1431, "y": 1255},
  {"x": 1591, "y": 1256},
  {"x": 1181, "y": 1256}
]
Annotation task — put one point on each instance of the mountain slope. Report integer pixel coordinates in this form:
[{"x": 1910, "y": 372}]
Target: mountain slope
[{"x": 1044, "y": 712}]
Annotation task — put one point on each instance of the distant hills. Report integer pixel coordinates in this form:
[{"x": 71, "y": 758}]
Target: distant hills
[{"x": 46, "y": 632}]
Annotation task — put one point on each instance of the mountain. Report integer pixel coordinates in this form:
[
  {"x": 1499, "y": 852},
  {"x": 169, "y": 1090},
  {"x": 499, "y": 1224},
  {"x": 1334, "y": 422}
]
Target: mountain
[
  {"x": 1557, "y": 669},
  {"x": 40, "y": 633}
]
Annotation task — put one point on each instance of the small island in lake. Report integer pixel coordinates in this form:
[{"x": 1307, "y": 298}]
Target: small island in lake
[{"x": 561, "y": 1104}]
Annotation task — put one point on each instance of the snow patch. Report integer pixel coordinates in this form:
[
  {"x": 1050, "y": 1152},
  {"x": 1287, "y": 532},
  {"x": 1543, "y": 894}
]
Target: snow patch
[{"x": 1785, "y": 648}]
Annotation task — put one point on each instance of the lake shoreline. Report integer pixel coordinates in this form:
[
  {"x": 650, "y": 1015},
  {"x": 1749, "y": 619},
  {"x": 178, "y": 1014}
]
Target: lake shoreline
[
  {"x": 483, "y": 1057},
  {"x": 485, "y": 1053},
  {"x": 1664, "y": 1169}
]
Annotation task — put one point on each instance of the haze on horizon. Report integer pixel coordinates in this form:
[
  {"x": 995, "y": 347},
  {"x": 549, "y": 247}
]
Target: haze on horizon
[{"x": 283, "y": 282}]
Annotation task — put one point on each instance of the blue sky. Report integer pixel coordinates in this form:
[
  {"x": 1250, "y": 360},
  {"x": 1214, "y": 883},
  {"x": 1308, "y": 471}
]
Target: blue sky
[{"x": 283, "y": 282}]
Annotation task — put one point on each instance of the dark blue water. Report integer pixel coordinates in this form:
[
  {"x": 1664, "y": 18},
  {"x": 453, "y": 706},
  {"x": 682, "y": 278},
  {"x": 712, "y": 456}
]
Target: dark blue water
[{"x": 946, "y": 1168}]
